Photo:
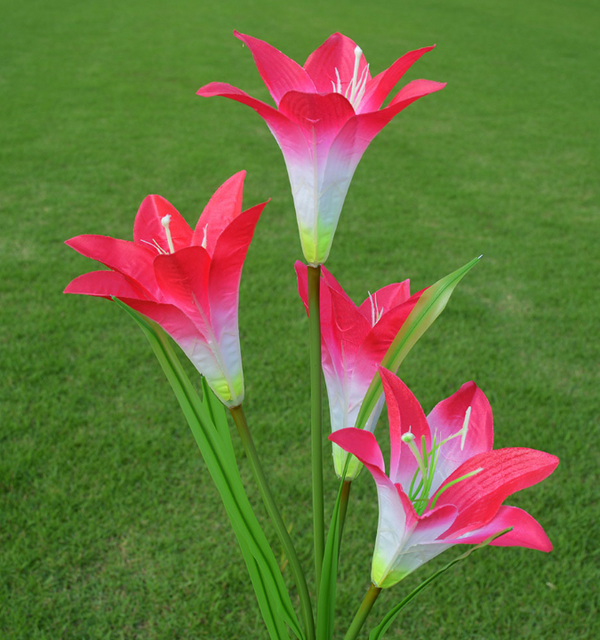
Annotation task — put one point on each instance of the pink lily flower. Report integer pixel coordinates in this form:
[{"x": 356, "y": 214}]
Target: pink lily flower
[
  {"x": 445, "y": 485},
  {"x": 186, "y": 281},
  {"x": 327, "y": 114},
  {"x": 354, "y": 341}
]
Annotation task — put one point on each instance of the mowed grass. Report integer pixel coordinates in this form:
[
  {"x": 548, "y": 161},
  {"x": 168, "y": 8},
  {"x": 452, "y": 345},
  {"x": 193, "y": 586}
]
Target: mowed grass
[{"x": 109, "y": 524}]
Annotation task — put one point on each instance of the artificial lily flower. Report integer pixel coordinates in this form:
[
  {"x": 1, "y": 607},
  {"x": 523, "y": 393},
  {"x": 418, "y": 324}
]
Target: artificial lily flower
[
  {"x": 445, "y": 485},
  {"x": 354, "y": 341},
  {"x": 327, "y": 114},
  {"x": 186, "y": 281}
]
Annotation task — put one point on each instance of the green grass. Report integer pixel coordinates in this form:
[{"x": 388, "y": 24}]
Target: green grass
[{"x": 109, "y": 526}]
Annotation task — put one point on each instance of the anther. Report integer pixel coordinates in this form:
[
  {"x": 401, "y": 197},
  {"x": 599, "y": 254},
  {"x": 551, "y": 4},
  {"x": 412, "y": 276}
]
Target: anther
[
  {"x": 166, "y": 221},
  {"x": 465, "y": 428}
]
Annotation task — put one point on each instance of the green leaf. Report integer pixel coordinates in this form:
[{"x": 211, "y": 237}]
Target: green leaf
[
  {"x": 384, "y": 625},
  {"x": 327, "y": 589},
  {"x": 329, "y": 570},
  {"x": 428, "y": 308},
  {"x": 208, "y": 424}
]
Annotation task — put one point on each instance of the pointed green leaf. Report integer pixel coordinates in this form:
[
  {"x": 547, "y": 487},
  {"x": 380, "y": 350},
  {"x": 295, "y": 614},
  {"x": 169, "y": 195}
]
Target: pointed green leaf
[
  {"x": 205, "y": 419},
  {"x": 428, "y": 308},
  {"x": 385, "y": 624},
  {"x": 327, "y": 589}
]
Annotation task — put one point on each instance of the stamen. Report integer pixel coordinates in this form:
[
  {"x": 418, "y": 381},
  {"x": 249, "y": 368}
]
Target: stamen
[
  {"x": 465, "y": 428},
  {"x": 354, "y": 82},
  {"x": 372, "y": 309},
  {"x": 362, "y": 85},
  {"x": 204, "y": 238},
  {"x": 339, "y": 81},
  {"x": 462, "y": 432},
  {"x": 166, "y": 221},
  {"x": 154, "y": 245},
  {"x": 375, "y": 312}
]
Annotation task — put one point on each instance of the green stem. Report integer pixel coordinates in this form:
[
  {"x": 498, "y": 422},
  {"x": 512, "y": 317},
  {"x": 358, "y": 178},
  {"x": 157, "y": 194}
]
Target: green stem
[
  {"x": 362, "y": 613},
  {"x": 282, "y": 533},
  {"x": 344, "y": 505},
  {"x": 316, "y": 415}
]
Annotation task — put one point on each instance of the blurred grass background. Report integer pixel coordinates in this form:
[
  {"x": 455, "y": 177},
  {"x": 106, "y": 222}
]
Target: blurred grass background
[{"x": 109, "y": 525}]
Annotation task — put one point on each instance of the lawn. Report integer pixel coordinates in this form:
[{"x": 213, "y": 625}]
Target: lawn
[{"x": 109, "y": 524}]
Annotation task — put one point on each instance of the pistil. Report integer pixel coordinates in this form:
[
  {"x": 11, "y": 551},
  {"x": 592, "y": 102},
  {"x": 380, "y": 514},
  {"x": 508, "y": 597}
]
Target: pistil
[
  {"x": 166, "y": 221},
  {"x": 409, "y": 439}
]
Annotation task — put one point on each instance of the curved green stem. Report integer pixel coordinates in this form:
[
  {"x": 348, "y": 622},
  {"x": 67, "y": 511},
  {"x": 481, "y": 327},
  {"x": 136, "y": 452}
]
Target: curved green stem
[
  {"x": 362, "y": 613},
  {"x": 282, "y": 533},
  {"x": 316, "y": 415}
]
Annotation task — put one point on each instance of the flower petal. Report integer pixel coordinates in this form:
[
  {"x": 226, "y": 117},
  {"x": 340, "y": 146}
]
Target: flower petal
[
  {"x": 183, "y": 279},
  {"x": 128, "y": 258},
  {"x": 404, "y": 414},
  {"x": 319, "y": 116},
  {"x": 335, "y": 54},
  {"x": 448, "y": 417},
  {"x": 224, "y": 206},
  {"x": 148, "y": 229},
  {"x": 364, "y": 446},
  {"x": 380, "y": 86},
  {"x": 279, "y": 73},
  {"x": 105, "y": 284},
  {"x": 527, "y": 531},
  {"x": 288, "y": 134},
  {"x": 170, "y": 318},
  {"x": 423, "y": 542},
  {"x": 380, "y": 337},
  {"x": 503, "y": 472},
  {"x": 226, "y": 381},
  {"x": 226, "y": 270},
  {"x": 385, "y": 299},
  {"x": 356, "y": 135}
]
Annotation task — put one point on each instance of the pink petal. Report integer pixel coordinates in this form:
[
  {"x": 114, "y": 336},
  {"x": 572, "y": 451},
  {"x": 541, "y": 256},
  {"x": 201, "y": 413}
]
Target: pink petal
[
  {"x": 380, "y": 337},
  {"x": 380, "y": 86},
  {"x": 289, "y": 136},
  {"x": 105, "y": 284},
  {"x": 527, "y": 531},
  {"x": 148, "y": 228},
  {"x": 404, "y": 414},
  {"x": 337, "y": 52},
  {"x": 350, "y": 326},
  {"x": 226, "y": 269},
  {"x": 279, "y": 73},
  {"x": 504, "y": 471},
  {"x": 332, "y": 283},
  {"x": 183, "y": 279},
  {"x": 386, "y": 298},
  {"x": 364, "y": 446},
  {"x": 356, "y": 135},
  {"x": 411, "y": 92},
  {"x": 431, "y": 525},
  {"x": 224, "y": 206},
  {"x": 128, "y": 258},
  {"x": 447, "y": 418},
  {"x": 170, "y": 318},
  {"x": 319, "y": 116}
]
